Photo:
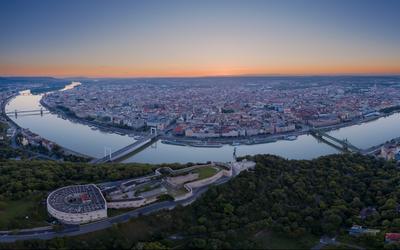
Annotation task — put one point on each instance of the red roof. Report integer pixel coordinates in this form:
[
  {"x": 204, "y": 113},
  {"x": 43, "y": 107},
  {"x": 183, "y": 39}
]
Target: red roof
[
  {"x": 178, "y": 129},
  {"x": 85, "y": 197},
  {"x": 392, "y": 236}
]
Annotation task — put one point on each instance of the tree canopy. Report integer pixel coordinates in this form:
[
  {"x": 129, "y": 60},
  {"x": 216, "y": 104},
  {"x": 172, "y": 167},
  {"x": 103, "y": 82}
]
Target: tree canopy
[{"x": 296, "y": 198}]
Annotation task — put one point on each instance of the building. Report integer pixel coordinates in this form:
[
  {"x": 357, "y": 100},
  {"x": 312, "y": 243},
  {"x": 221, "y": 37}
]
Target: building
[
  {"x": 80, "y": 204},
  {"x": 392, "y": 237},
  {"x": 328, "y": 121},
  {"x": 10, "y": 132},
  {"x": 390, "y": 152},
  {"x": 239, "y": 166},
  {"x": 357, "y": 230},
  {"x": 77, "y": 204}
]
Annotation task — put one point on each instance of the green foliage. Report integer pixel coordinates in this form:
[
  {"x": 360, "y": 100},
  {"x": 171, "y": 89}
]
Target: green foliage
[
  {"x": 389, "y": 110},
  {"x": 206, "y": 172},
  {"x": 227, "y": 111},
  {"x": 299, "y": 198},
  {"x": 150, "y": 246},
  {"x": 22, "y": 213},
  {"x": 6, "y": 151},
  {"x": 165, "y": 197},
  {"x": 294, "y": 199},
  {"x": 20, "y": 179}
]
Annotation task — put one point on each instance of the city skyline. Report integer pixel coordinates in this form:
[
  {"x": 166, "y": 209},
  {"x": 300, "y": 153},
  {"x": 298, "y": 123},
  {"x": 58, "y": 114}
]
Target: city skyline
[{"x": 207, "y": 38}]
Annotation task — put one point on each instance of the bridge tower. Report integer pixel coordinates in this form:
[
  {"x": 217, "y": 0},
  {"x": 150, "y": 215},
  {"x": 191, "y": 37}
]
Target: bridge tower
[
  {"x": 346, "y": 144},
  {"x": 153, "y": 130},
  {"x": 107, "y": 152}
]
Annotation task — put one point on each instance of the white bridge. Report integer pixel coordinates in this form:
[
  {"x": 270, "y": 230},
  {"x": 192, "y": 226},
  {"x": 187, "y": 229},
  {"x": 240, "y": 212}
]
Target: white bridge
[{"x": 137, "y": 145}]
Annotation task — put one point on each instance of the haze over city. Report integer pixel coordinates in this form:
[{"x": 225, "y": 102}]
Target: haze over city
[{"x": 198, "y": 38}]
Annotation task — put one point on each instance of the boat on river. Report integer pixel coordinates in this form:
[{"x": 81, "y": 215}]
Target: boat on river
[
  {"x": 261, "y": 141},
  {"x": 136, "y": 137},
  {"x": 176, "y": 143},
  {"x": 206, "y": 145},
  {"x": 291, "y": 137}
]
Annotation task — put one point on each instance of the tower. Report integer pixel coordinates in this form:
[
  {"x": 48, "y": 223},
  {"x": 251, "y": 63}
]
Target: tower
[{"x": 153, "y": 130}]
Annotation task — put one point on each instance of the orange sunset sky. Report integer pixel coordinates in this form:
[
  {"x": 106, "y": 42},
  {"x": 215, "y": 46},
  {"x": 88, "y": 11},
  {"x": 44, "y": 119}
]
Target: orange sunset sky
[{"x": 198, "y": 38}]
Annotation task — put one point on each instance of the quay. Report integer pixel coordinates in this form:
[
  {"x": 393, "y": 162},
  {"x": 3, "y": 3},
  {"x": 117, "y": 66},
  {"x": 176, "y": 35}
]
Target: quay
[{"x": 375, "y": 149}]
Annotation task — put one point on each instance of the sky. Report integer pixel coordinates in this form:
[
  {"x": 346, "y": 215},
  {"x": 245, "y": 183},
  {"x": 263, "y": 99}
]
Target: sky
[{"x": 134, "y": 38}]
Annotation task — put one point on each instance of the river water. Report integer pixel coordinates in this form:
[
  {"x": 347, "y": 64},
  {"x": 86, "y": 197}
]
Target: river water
[{"x": 81, "y": 138}]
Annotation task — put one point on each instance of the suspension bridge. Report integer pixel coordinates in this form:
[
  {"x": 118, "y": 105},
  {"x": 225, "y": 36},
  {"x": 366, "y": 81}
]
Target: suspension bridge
[
  {"x": 342, "y": 145},
  {"x": 127, "y": 150}
]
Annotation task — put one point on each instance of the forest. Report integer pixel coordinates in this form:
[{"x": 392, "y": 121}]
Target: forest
[{"x": 297, "y": 201}]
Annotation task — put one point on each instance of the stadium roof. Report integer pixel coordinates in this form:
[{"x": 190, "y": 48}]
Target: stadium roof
[{"x": 77, "y": 199}]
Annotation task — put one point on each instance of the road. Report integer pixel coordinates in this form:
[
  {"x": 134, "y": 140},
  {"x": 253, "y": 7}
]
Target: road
[
  {"x": 326, "y": 241},
  {"x": 49, "y": 233}
]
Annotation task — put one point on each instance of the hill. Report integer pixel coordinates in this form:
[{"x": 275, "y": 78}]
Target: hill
[{"x": 287, "y": 203}]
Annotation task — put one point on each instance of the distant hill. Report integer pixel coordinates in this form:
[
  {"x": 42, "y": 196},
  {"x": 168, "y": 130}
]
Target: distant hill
[
  {"x": 27, "y": 78},
  {"x": 24, "y": 79}
]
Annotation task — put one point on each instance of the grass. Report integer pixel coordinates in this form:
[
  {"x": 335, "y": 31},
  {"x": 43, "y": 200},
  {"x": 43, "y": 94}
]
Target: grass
[
  {"x": 22, "y": 214},
  {"x": 205, "y": 172},
  {"x": 148, "y": 187}
]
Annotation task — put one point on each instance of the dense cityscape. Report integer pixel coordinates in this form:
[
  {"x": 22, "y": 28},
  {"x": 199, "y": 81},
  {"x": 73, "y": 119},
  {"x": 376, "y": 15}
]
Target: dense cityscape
[{"x": 225, "y": 107}]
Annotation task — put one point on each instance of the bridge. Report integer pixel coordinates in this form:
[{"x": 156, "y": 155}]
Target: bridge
[
  {"x": 28, "y": 112},
  {"x": 342, "y": 145},
  {"x": 137, "y": 145}
]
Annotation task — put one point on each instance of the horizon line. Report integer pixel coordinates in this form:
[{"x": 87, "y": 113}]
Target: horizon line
[{"x": 207, "y": 76}]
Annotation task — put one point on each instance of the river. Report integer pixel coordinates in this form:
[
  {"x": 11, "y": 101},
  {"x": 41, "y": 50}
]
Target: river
[{"x": 83, "y": 139}]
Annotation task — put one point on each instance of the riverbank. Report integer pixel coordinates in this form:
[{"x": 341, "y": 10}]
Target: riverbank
[
  {"x": 248, "y": 140},
  {"x": 3, "y": 110},
  {"x": 92, "y": 124},
  {"x": 64, "y": 151},
  {"x": 168, "y": 138},
  {"x": 93, "y": 142}
]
